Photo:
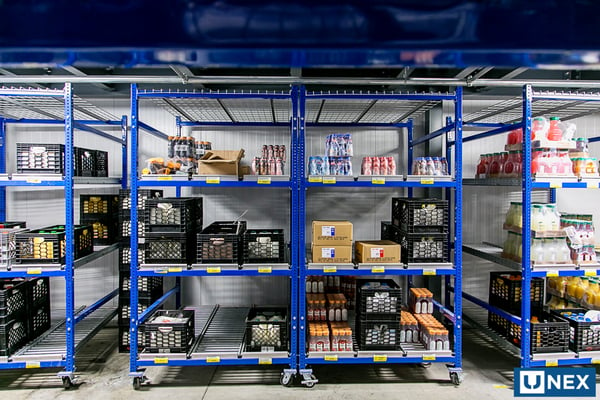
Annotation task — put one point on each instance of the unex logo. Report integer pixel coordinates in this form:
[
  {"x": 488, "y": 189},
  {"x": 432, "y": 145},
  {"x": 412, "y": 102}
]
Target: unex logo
[{"x": 555, "y": 382}]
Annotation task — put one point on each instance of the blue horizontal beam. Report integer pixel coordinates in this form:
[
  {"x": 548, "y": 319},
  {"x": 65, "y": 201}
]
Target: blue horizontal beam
[
  {"x": 483, "y": 124},
  {"x": 31, "y": 92},
  {"x": 558, "y": 96},
  {"x": 494, "y": 132},
  {"x": 563, "y": 362},
  {"x": 97, "y": 132},
  {"x": 230, "y": 123},
  {"x": 512, "y": 318},
  {"x": 445, "y": 311},
  {"x": 216, "y": 95},
  {"x": 376, "y": 96},
  {"x": 152, "y": 131},
  {"x": 199, "y": 362},
  {"x": 42, "y": 364},
  {"x": 60, "y": 121},
  {"x": 84, "y": 313},
  {"x": 366, "y": 272},
  {"x": 223, "y": 272},
  {"x": 594, "y": 139},
  {"x": 391, "y": 184},
  {"x": 390, "y": 360},
  {"x": 247, "y": 184},
  {"x": 32, "y": 183},
  {"x": 24, "y": 274},
  {"x": 143, "y": 316},
  {"x": 287, "y": 124},
  {"x": 433, "y": 135}
]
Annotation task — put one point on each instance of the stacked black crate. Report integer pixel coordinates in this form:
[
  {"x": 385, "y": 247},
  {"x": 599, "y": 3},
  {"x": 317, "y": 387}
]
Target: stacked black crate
[
  {"x": 420, "y": 226},
  {"x": 378, "y": 306},
  {"x": 149, "y": 288},
  {"x": 101, "y": 211}
]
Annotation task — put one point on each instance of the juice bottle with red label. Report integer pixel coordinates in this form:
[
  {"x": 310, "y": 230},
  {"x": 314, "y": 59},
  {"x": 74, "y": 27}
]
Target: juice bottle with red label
[{"x": 554, "y": 132}]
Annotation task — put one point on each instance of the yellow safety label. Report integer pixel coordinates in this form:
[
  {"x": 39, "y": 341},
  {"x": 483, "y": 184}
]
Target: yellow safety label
[
  {"x": 165, "y": 178},
  {"x": 429, "y": 272},
  {"x": 175, "y": 269},
  {"x": 161, "y": 360},
  {"x": 315, "y": 179},
  {"x": 330, "y": 357},
  {"x": 378, "y": 270},
  {"x": 552, "y": 274},
  {"x": 591, "y": 185},
  {"x": 378, "y": 181},
  {"x": 427, "y": 181},
  {"x": 329, "y": 269},
  {"x": 591, "y": 272},
  {"x": 265, "y": 361},
  {"x": 264, "y": 181},
  {"x": 329, "y": 180},
  {"x": 32, "y": 364},
  {"x": 214, "y": 180},
  {"x": 380, "y": 358},
  {"x": 213, "y": 270},
  {"x": 213, "y": 359},
  {"x": 551, "y": 363},
  {"x": 34, "y": 271},
  {"x": 429, "y": 357},
  {"x": 595, "y": 360},
  {"x": 265, "y": 270},
  {"x": 555, "y": 185},
  {"x": 33, "y": 180}
]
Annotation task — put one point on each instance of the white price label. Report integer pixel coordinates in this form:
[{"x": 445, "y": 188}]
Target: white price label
[
  {"x": 328, "y": 252},
  {"x": 329, "y": 180},
  {"x": 377, "y": 252},
  {"x": 328, "y": 231}
]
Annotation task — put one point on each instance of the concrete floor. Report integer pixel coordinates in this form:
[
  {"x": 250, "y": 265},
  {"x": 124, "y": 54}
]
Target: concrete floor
[{"x": 103, "y": 375}]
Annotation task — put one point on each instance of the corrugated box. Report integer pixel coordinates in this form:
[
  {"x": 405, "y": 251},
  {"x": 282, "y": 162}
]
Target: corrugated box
[
  {"x": 377, "y": 251},
  {"x": 332, "y": 233},
  {"x": 221, "y": 162},
  {"x": 331, "y": 254}
]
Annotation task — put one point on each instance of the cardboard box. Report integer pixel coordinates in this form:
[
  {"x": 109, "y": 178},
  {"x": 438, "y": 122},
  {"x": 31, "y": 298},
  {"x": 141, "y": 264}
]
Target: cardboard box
[
  {"x": 331, "y": 254},
  {"x": 332, "y": 233},
  {"x": 221, "y": 162},
  {"x": 377, "y": 251}
]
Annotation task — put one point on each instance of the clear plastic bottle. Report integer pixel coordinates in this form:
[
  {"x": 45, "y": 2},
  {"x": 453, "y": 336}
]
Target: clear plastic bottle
[
  {"x": 552, "y": 217},
  {"x": 538, "y": 222},
  {"x": 537, "y": 252},
  {"x": 563, "y": 253}
]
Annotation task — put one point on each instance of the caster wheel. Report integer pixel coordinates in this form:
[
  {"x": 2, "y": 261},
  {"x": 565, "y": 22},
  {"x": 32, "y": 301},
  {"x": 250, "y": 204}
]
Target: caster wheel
[
  {"x": 286, "y": 380},
  {"x": 311, "y": 382},
  {"x": 137, "y": 383},
  {"x": 425, "y": 365},
  {"x": 67, "y": 382},
  {"x": 456, "y": 378}
]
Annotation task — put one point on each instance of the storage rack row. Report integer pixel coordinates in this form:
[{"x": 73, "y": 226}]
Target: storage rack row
[
  {"x": 56, "y": 348},
  {"x": 501, "y": 118},
  {"x": 299, "y": 110}
]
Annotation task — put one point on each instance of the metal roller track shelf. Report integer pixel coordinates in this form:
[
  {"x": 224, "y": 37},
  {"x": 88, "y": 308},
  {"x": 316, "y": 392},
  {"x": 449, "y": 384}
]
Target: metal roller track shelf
[
  {"x": 356, "y": 110},
  {"x": 56, "y": 348},
  {"x": 505, "y": 117},
  {"x": 220, "y": 333}
]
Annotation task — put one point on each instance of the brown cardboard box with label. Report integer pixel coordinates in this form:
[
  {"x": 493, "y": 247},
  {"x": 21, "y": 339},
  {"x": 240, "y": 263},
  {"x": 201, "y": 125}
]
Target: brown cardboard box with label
[
  {"x": 332, "y": 233},
  {"x": 221, "y": 162},
  {"x": 377, "y": 251},
  {"x": 331, "y": 254}
]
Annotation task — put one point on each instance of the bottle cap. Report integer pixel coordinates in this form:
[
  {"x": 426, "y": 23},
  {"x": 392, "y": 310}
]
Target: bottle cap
[{"x": 554, "y": 118}]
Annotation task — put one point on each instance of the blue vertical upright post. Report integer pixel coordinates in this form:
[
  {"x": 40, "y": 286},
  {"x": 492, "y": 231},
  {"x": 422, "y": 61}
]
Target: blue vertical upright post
[
  {"x": 295, "y": 227},
  {"x": 410, "y": 151},
  {"x": 178, "y": 278},
  {"x": 458, "y": 228},
  {"x": 2, "y": 168},
  {"x": 447, "y": 278},
  {"x": 526, "y": 237},
  {"x": 301, "y": 178},
  {"x": 124, "y": 152},
  {"x": 69, "y": 230},
  {"x": 133, "y": 328}
]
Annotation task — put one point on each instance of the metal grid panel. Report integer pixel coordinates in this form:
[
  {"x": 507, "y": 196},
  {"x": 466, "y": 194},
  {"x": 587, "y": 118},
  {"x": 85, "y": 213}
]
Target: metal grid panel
[
  {"x": 283, "y": 110},
  {"x": 249, "y": 110},
  {"x": 197, "y": 109},
  {"x": 388, "y": 111}
]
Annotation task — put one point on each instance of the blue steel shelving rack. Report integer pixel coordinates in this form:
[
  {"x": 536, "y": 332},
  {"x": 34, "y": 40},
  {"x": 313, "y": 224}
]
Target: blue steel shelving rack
[
  {"x": 139, "y": 361},
  {"x": 56, "y": 348},
  {"x": 528, "y": 183},
  {"x": 452, "y": 312}
]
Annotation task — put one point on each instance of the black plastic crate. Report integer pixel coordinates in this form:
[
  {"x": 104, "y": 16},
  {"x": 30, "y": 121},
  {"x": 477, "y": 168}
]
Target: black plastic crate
[
  {"x": 497, "y": 323},
  {"x": 264, "y": 246},
  {"x": 378, "y": 303},
  {"x": 583, "y": 336},
  {"x": 378, "y": 335},
  {"x": 551, "y": 336},
  {"x": 40, "y": 158},
  {"x": 143, "y": 195},
  {"x": 169, "y": 337},
  {"x": 170, "y": 249},
  {"x": 38, "y": 292},
  {"x": 101, "y": 163},
  {"x": 221, "y": 242},
  {"x": 13, "y": 225},
  {"x": 124, "y": 314},
  {"x": 424, "y": 247},
  {"x": 124, "y": 344},
  {"x": 38, "y": 320},
  {"x": 13, "y": 299},
  {"x": 8, "y": 246},
  {"x": 124, "y": 227},
  {"x": 420, "y": 215},
  {"x": 125, "y": 255},
  {"x": 13, "y": 335},
  {"x": 94, "y": 207},
  {"x": 390, "y": 232},
  {"x": 106, "y": 231},
  {"x": 48, "y": 245},
  {"x": 148, "y": 286},
  {"x": 173, "y": 215},
  {"x": 267, "y": 334},
  {"x": 505, "y": 292},
  {"x": 85, "y": 161}
]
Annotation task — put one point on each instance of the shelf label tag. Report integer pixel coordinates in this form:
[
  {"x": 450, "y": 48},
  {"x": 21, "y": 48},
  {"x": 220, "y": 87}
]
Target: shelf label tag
[
  {"x": 429, "y": 272},
  {"x": 33, "y": 180},
  {"x": 330, "y": 269},
  {"x": 591, "y": 185},
  {"x": 378, "y": 270},
  {"x": 329, "y": 180},
  {"x": 214, "y": 180},
  {"x": 427, "y": 181},
  {"x": 265, "y": 361},
  {"x": 165, "y": 178},
  {"x": 429, "y": 357},
  {"x": 555, "y": 185},
  {"x": 161, "y": 360},
  {"x": 595, "y": 360},
  {"x": 265, "y": 270},
  {"x": 551, "y": 363},
  {"x": 215, "y": 359},
  {"x": 32, "y": 364},
  {"x": 330, "y": 357},
  {"x": 500, "y": 387},
  {"x": 264, "y": 181},
  {"x": 161, "y": 271},
  {"x": 378, "y": 181},
  {"x": 175, "y": 269},
  {"x": 34, "y": 271},
  {"x": 380, "y": 358},
  {"x": 552, "y": 274},
  {"x": 590, "y": 272},
  {"x": 315, "y": 179},
  {"x": 213, "y": 270}
]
